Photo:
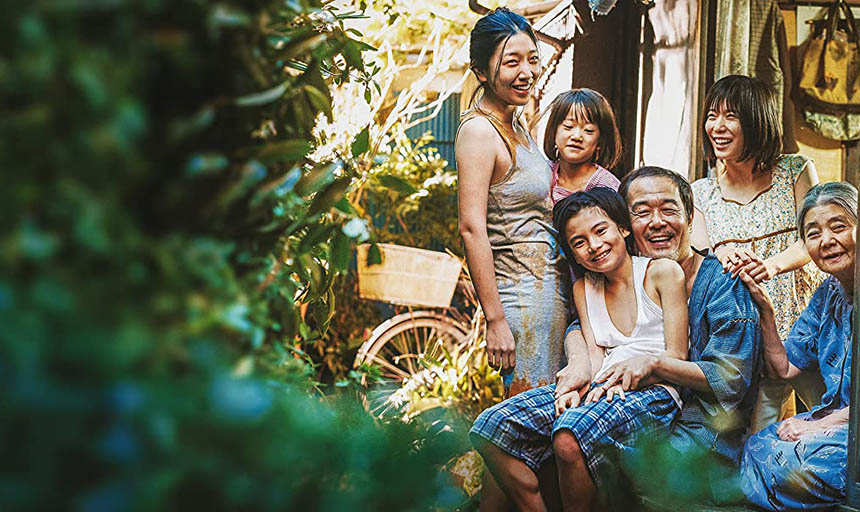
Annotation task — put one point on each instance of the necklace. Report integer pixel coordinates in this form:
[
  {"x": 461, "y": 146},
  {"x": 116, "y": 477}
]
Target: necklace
[{"x": 508, "y": 128}]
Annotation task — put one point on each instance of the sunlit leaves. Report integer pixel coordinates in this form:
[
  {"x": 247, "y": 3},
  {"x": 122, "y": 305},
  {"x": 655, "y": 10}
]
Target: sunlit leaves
[
  {"x": 361, "y": 143},
  {"x": 396, "y": 183}
]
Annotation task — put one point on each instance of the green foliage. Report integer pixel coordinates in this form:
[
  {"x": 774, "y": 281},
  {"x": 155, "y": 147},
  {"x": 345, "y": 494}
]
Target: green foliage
[
  {"x": 410, "y": 23},
  {"x": 413, "y": 195},
  {"x": 164, "y": 240},
  {"x": 461, "y": 380}
]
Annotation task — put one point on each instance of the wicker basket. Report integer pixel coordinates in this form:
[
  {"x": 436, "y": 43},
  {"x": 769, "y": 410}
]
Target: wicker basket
[{"x": 408, "y": 276}]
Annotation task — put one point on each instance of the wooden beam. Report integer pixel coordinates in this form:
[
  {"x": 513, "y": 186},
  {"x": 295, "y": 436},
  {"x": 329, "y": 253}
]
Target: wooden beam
[{"x": 851, "y": 161}]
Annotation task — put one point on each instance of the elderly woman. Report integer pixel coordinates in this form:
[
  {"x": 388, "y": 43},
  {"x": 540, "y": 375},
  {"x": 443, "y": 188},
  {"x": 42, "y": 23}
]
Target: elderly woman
[{"x": 799, "y": 463}]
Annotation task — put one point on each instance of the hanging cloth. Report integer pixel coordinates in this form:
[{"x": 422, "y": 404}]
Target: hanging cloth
[{"x": 751, "y": 41}]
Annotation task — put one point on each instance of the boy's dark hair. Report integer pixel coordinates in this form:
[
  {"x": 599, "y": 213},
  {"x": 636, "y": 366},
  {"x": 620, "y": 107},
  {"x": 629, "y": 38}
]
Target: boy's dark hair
[
  {"x": 651, "y": 171},
  {"x": 604, "y": 198},
  {"x": 495, "y": 28},
  {"x": 591, "y": 106},
  {"x": 755, "y": 105}
]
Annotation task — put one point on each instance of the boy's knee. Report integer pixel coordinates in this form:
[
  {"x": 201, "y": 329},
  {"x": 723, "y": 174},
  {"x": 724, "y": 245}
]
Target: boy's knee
[{"x": 566, "y": 447}]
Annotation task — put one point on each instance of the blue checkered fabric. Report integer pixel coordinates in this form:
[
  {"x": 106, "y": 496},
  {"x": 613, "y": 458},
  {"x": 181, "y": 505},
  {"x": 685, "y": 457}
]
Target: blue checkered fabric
[
  {"x": 521, "y": 426},
  {"x": 605, "y": 430}
]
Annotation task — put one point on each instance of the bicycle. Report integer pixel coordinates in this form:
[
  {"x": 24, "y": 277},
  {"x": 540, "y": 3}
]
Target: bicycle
[{"x": 402, "y": 345}]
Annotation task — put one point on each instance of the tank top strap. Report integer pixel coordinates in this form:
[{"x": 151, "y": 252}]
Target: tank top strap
[
  {"x": 640, "y": 268},
  {"x": 507, "y": 137},
  {"x": 595, "y": 303},
  {"x": 646, "y": 308}
]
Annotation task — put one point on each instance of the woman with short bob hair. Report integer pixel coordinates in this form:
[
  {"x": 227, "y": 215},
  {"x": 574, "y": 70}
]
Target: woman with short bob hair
[
  {"x": 754, "y": 104},
  {"x": 800, "y": 462},
  {"x": 747, "y": 210}
]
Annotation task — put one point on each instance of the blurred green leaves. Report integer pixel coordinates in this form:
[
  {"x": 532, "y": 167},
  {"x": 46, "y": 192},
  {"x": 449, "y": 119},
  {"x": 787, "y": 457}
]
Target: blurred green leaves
[{"x": 168, "y": 253}]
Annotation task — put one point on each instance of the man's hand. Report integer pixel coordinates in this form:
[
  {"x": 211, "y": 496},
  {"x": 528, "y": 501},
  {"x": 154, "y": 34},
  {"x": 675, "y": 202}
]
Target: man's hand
[
  {"x": 629, "y": 374},
  {"x": 501, "y": 348},
  {"x": 570, "y": 378},
  {"x": 793, "y": 429}
]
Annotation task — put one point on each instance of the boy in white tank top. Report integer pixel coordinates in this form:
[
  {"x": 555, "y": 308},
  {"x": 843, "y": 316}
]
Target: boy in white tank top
[{"x": 628, "y": 306}]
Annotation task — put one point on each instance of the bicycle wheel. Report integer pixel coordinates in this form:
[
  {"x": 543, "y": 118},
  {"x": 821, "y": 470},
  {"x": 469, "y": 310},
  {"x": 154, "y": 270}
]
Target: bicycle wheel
[{"x": 399, "y": 345}]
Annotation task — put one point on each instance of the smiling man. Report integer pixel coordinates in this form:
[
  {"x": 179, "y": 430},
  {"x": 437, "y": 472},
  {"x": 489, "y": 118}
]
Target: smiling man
[{"x": 702, "y": 449}]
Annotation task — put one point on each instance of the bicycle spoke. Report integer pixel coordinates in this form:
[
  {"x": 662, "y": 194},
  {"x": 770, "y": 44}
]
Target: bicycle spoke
[
  {"x": 430, "y": 343},
  {"x": 407, "y": 352},
  {"x": 399, "y": 374}
]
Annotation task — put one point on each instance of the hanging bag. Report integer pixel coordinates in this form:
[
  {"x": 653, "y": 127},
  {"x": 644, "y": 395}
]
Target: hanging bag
[{"x": 830, "y": 75}]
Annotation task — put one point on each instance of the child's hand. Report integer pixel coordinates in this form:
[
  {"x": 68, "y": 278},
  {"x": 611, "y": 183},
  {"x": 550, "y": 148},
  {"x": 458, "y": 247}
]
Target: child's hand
[
  {"x": 611, "y": 392},
  {"x": 567, "y": 401}
]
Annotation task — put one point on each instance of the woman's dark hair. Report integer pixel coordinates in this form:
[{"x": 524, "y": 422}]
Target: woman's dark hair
[
  {"x": 685, "y": 192},
  {"x": 755, "y": 105},
  {"x": 590, "y": 106},
  {"x": 604, "y": 198},
  {"x": 495, "y": 28}
]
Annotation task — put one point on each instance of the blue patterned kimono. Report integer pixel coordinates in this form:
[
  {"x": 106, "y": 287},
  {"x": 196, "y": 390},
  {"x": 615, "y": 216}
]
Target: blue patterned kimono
[{"x": 809, "y": 473}]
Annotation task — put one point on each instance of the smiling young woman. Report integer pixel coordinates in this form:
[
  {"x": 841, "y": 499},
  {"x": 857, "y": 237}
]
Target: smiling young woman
[
  {"x": 505, "y": 210},
  {"x": 746, "y": 213}
]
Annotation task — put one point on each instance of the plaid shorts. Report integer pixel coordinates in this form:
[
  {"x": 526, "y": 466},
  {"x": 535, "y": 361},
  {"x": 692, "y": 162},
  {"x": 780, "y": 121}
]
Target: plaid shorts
[
  {"x": 607, "y": 430},
  {"x": 523, "y": 426}
]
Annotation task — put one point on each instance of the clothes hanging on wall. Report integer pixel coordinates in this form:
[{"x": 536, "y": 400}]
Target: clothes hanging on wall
[
  {"x": 669, "y": 135},
  {"x": 751, "y": 40}
]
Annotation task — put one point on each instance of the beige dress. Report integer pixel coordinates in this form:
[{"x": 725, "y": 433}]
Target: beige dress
[
  {"x": 530, "y": 270},
  {"x": 767, "y": 225}
]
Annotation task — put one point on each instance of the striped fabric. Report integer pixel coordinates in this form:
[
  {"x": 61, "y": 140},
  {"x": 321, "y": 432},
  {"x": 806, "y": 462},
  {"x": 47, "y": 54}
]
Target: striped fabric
[
  {"x": 523, "y": 426},
  {"x": 600, "y": 178}
]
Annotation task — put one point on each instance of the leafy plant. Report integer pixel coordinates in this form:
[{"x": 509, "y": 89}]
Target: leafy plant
[
  {"x": 461, "y": 380},
  {"x": 164, "y": 240}
]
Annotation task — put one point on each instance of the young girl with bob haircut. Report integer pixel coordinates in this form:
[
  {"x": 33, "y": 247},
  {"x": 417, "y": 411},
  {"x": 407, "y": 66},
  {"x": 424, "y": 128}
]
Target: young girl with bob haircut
[
  {"x": 582, "y": 141},
  {"x": 747, "y": 210},
  {"x": 504, "y": 206},
  {"x": 628, "y": 306}
]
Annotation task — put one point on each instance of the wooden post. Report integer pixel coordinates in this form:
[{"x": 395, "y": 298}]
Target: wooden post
[{"x": 851, "y": 161}]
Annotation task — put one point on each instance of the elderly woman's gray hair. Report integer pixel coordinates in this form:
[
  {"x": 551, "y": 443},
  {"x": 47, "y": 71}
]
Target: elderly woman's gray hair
[{"x": 838, "y": 193}]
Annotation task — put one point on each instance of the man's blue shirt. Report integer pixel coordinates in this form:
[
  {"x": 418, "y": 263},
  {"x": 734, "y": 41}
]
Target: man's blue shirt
[{"x": 725, "y": 341}]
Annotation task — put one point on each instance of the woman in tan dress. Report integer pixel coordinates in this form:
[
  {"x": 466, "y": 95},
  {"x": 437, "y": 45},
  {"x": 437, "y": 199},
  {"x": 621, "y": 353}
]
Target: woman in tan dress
[
  {"x": 746, "y": 212},
  {"x": 506, "y": 211}
]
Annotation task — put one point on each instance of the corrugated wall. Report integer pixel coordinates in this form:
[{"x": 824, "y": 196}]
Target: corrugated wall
[{"x": 443, "y": 127}]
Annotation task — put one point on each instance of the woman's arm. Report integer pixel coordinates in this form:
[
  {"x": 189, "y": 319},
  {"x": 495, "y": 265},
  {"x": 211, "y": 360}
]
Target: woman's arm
[
  {"x": 669, "y": 283},
  {"x": 727, "y": 254},
  {"x": 776, "y": 360},
  {"x": 795, "y": 256},
  {"x": 793, "y": 429},
  {"x": 476, "y": 159},
  {"x": 700, "y": 238}
]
